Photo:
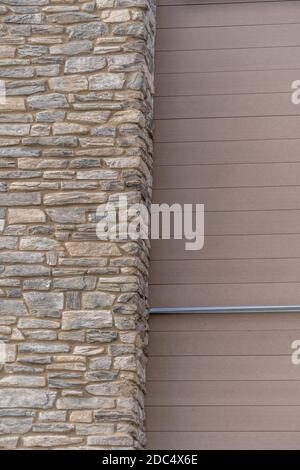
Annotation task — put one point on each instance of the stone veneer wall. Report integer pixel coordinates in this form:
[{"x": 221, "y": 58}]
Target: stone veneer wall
[{"x": 75, "y": 132}]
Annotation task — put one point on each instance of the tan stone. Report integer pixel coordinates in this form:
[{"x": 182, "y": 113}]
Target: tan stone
[
  {"x": 64, "y": 128},
  {"x": 7, "y": 51},
  {"x": 23, "y": 216},
  {"x": 92, "y": 249},
  {"x": 116, "y": 16},
  {"x": 13, "y": 104},
  {"x": 81, "y": 416},
  {"x": 40, "y": 130},
  {"x": 67, "y": 84}
]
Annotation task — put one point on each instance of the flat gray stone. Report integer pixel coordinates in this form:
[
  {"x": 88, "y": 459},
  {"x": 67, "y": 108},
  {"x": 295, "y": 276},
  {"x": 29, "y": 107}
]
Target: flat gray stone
[
  {"x": 13, "y": 307},
  {"x": 53, "y": 100},
  {"x": 26, "y": 398},
  {"x": 75, "y": 320},
  {"x": 96, "y": 300},
  {"x": 15, "y": 425},
  {"x": 84, "y": 64}
]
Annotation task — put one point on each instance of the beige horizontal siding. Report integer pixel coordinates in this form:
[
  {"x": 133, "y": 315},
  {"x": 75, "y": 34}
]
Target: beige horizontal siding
[
  {"x": 232, "y": 14},
  {"x": 224, "y": 440},
  {"x": 234, "y": 199},
  {"x": 227, "y": 60},
  {"x": 230, "y": 247},
  {"x": 191, "y": 295},
  {"x": 215, "y": 153},
  {"x": 228, "y": 322},
  {"x": 229, "y": 175},
  {"x": 223, "y": 368},
  {"x": 226, "y": 271},
  {"x": 240, "y": 223},
  {"x": 222, "y": 343},
  {"x": 206, "y": 2},
  {"x": 227, "y": 136},
  {"x": 232, "y": 128},
  {"x": 223, "y": 83},
  {"x": 224, "y": 393},
  {"x": 189, "y": 107},
  {"x": 215, "y": 379},
  {"x": 222, "y": 38},
  {"x": 224, "y": 418}
]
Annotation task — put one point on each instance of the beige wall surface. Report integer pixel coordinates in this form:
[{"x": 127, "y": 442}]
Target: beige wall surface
[
  {"x": 227, "y": 136},
  {"x": 223, "y": 382}
]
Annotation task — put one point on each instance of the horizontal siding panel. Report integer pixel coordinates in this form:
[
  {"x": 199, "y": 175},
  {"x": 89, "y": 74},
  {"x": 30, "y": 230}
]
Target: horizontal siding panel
[
  {"x": 222, "y": 83},
  {"x": 196, "y": 153},
  {"x": 228, "y": 15},
  {"x": 244, "y": 223},
  {"x": 176, "y": 39},
  {"x": 225, "y": 271},
  {"x": 241, "y": 223},
  {"x": 193, "y": 107},
  {"x": 191, "y": 295},
  {"x": 230, "y": 175},
  {"x": 220, "y": 343},
  {"x": 205, "y": 2},
  {"x": 230, "y": 247},
  {"x": 225, "y": 322},
  {"x": 227, "y": 60},
  {"x": 223, "y": 368},
  {"x": 227, "y": 136},
  {"x": 223, "y": 440},
  {"x": 216, "y": 393},
  {"x": 237, "y": 418},
  {"x": 234, "y": 199},
  {"x": 235, "y": 128}
]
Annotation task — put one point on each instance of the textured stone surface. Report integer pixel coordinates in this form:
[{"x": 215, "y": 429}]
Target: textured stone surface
[
  {"x": 75, "y": 132},
  {"x": 83, "y": 319},
  {"x": 26, "y": 398}
]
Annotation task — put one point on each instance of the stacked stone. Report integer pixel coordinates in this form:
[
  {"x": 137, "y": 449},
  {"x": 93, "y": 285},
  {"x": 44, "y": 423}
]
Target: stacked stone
[{"x": 75, "y": 132}]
